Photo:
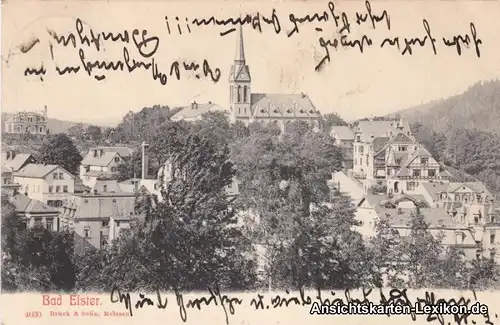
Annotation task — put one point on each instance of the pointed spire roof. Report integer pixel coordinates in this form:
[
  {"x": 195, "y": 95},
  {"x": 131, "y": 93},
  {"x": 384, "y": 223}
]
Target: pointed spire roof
[{"x": 240, "y": 49}]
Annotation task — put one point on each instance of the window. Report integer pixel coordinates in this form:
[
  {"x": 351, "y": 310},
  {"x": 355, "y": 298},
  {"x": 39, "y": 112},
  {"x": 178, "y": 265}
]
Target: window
[
  {"x": 416, "y": 173},
  {"x": 61, "y": 176},
  {"x": 361, "y": 161},
  {"x": 65, "y": 189},
  {"x": 114, "y": 200},
  {"x": 54, "y": 175},
  {"x": 86, "y": 233},
  {"x": 358, "y": 138},
  {"x": 367, "y": 161},
  {"x": 424, "y": 161},
  {"x": 117, "y": 159},
  {"x": 431, "y": 173},
  {"x": 104, "y": 241},
  {"x": 361, "y": 149},
  {"x": 410, "y": 186},
  {"x": 50, "y": 224},
  {"x": 402, "y": 148},
  {"x": 476, "y": 219},
  {"x": 86, "y": 201},
  {"x": 50, "y": 203},
  {"x": 118, "y": 223},
  {"x": 492, "y": 255},
  {"x": 105, "y": 188},
  {"x": 492, "y": 238},
  {"x": 58, "y": 188},
  {"x": 478, "y": 255},
  {"x": 105, "y": 223},
  {"x": 492, "y": 218},
  {"x": 113, "y": 169},
  {"x": 239, "y": 95},
  {"x": 51, "y": 188}
]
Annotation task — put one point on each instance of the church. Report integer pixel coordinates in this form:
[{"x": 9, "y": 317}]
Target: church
[{"x": 248, "y": 107}]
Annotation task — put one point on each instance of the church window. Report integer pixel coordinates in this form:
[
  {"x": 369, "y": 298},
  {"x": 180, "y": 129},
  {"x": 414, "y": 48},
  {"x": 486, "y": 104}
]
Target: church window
[
  {"x": 239, "y": 94},
  {"x": 244, "y": 94},
  {"x": 231, "y": 93}
]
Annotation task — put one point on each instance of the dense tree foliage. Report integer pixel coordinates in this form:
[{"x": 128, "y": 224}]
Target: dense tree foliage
[
  {"x": 34, "y": 259},
  {"x": 193, "y": 236},
  {"x": 59, "y": 150}
]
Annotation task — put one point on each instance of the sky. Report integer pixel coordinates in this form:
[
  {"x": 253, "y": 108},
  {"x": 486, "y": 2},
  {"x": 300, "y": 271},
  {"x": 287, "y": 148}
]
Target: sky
[{"x": 353, "y": 84}]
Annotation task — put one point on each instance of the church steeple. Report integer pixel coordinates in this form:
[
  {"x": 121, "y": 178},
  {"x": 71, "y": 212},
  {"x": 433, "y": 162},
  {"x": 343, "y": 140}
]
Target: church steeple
[
  {"x": 240, "y": 48},
  {"x": 240, "y": 82}
]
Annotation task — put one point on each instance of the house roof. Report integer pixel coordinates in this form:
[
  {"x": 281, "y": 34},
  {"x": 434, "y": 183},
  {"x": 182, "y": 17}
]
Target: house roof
[
  {"x": 124, "y": 152},
  {"x": 343, "y": 132},
  {"x": 38, "y": 170},
  {"x": 195, "y": 110},
  {"x": 97, "y": 207},
  {"x": 434, "y": 188},
  {"x": 421, "y": 151},
  {"x": 25, "y": 204},
  {"x": 102, "y": 160},
  {"x": 282, "y": 106},
  {"x": 477, "y": 187},
  {"x": 379, "y": 143},
  {"x": 379, "y": 129},
  {"x": 434, "y": 216},
  {"x": 16, "y": 163}
]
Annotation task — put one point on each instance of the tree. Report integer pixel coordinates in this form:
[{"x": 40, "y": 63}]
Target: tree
[
  {"x": 94, "y": 132},
  {"x": 284, "y": 181},
  {"x": 422, "y": 253},
  {"x": 330, "y": 120},
  {"x": 190, "y": 238},
  {"x": 484, "y": 274},
  {"x": 59, "y": 150}
]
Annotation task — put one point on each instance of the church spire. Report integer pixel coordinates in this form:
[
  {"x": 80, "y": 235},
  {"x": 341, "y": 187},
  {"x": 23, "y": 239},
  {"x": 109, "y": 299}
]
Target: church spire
[{"x": 240, "y": 49}]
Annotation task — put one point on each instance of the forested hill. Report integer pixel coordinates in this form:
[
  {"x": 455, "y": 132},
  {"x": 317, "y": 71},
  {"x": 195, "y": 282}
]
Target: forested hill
[{"x": 478, "y": 108}]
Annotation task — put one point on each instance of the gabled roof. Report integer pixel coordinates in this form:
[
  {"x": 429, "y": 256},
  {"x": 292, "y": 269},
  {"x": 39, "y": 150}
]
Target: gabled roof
[
  {"x": 102, "y": 161},
  {"x": 421, "y": 151},
  {"x": 39, "y": 171},
  {"x": 379, "y": 143},
  {"x": 434, "y": 188},
  {"x": 25, "y": 204},
  {"x": 343, "y": 132},
  {"x": 436, "y": 217},
  {"x": 282, "y": 106},
  {"x": 124, "y": 152},
  {"x": 477, "y": 187},
  {"x": 195, "y": 110},
  {"x": 16, "y": 163},
  {"x": 379, "y": 129}
]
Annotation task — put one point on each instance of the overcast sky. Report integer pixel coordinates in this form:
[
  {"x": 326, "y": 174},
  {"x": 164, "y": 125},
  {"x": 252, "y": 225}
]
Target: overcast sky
[{"x": 377, "y": 82}]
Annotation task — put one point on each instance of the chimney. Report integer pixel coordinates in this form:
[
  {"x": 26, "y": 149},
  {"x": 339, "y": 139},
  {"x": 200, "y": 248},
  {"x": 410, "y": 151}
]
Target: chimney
[
  {"x": 302, "y": 95},
  {"x": 95, "y": 152},
  {"x": 145, "y": 167},
  {"x": 194, "y": 105},
  {"x": 210, "y": 102},
  {"x": 95, "y": 192},
  {"x": 101, "y": 152},
  {"x": 45, "y": 111}
]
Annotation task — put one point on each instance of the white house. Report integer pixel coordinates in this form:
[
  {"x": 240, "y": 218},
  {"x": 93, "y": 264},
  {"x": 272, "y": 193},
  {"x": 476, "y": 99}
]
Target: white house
[
  {"x": 102, "y": 161},
  {"x": 50, "y": 184},
  {"x": 195, "y": 111}
]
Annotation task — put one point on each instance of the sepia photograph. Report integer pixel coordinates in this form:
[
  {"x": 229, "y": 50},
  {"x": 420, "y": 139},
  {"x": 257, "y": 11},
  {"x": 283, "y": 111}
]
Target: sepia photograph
[{"x": 332, "y": 156}]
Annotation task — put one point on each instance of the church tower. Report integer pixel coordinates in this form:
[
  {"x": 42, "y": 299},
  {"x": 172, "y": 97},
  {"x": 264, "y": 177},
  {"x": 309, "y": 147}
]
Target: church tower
[{"x": 239, "y": 84}]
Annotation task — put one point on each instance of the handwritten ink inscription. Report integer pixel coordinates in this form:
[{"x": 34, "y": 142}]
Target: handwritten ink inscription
[
  {"x": 144, "y": 45},
  {"x": 261, "y": 302}
]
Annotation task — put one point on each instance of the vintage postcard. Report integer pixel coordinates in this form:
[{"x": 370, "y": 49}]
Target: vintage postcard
[{"x": 250, "y": 162}]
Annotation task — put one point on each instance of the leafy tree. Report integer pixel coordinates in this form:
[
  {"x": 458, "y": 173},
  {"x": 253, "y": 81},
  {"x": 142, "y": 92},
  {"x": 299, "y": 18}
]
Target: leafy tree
[
  {"x": 283, "y": 180},
  {"x": 421, "y": 251},
  {"x": 94, "y": 132},
  {"x": 484, "y": 274},
  {"x": 59, "y": 150},
  {"x": 330, "y": 120}
]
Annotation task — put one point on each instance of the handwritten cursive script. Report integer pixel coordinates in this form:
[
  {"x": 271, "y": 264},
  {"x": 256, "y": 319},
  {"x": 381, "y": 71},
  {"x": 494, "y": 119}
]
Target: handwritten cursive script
[{"x": 261, "y": 301}]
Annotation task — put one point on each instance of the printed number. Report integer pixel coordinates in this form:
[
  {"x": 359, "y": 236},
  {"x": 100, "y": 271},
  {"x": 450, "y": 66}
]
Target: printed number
[{"x": 33, "y": 314}]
